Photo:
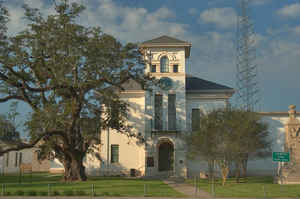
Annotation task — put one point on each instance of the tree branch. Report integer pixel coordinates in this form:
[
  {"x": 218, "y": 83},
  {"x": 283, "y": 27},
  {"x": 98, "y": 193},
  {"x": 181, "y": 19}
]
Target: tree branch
[
  {"x": 21, "y": 145},
  {"x": 16, "y": 97}
]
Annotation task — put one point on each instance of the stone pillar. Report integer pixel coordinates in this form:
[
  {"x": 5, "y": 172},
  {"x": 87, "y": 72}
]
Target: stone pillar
[{"x": 290, "y": 171}]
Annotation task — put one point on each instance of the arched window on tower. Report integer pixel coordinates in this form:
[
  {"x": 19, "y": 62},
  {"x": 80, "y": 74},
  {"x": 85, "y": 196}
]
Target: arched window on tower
[{"x": 164, "y": 64}]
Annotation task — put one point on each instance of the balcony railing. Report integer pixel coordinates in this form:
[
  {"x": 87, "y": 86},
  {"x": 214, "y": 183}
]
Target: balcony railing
[{"x": 163, "y": 131}]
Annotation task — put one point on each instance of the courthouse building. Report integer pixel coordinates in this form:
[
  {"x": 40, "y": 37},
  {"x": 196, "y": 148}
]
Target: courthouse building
[{"x": 160, "y": 118}]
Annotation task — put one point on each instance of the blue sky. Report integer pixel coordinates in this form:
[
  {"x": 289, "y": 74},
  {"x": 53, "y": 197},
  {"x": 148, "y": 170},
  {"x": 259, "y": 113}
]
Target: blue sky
[{"x": 210, "y": 26}]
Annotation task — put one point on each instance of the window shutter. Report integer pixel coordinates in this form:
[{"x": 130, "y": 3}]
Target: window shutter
[
  {"x": 195, "y": 119},
  {"x": 158, "y": 110},
  {"x": 172, "y": 112}
]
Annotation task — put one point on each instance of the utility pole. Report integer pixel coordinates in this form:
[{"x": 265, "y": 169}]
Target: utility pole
[{"x": 246, "y": 77}]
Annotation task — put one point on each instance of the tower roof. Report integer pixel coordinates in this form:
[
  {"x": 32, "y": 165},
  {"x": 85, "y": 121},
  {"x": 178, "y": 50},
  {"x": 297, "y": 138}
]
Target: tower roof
[{"x": 167, "y": 41}]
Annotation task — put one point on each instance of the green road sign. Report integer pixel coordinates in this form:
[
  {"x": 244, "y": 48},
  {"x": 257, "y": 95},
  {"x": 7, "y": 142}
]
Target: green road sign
[{"x": 281, "y": 156}]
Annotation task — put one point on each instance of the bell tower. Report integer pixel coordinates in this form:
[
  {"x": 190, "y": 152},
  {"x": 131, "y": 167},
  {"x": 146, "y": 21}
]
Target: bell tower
[{"x": 165, "y": 105}]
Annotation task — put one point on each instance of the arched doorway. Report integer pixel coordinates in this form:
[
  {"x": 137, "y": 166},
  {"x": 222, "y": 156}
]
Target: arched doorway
[{"x": 165, "y": 156}]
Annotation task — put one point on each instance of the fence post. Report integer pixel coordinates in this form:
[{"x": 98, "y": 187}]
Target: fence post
[
  {"x": 93, "y": 190},
  {"x": 48, "y": 189},
  {"x": 195, "y": 184},
  {"x": 145, "y": 190},
  {"x": 264, "y": 192},
  {"x": 2, "y": 189}
]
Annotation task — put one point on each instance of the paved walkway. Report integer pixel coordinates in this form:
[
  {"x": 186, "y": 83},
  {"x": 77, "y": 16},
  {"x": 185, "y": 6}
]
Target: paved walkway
[{"x": 188, "y": 190}]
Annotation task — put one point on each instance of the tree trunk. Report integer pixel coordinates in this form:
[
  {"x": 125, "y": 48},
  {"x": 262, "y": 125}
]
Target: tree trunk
[
  {"x": 210, "y": 170},
  {"x": 244, "y": 166},
  {"x": 74, "y": 169},
  {"x": 237, "y": 171}
]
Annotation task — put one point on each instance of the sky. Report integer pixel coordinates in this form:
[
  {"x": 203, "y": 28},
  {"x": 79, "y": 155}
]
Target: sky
[{"x": 210, "y": 25}]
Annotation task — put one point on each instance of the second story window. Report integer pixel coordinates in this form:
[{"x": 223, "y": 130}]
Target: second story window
[
  {"x": 164, "y": 64},
  {"x": 16, "y": 159},
  {"x": 7, "y": 159},
  {"x": 195, "y": 119},
  {"x": 158, "y": 112},
  {"x": 175, "y": 68},
  {"x": 153, "y": 68},
  {"x": 172, "y": 112}
]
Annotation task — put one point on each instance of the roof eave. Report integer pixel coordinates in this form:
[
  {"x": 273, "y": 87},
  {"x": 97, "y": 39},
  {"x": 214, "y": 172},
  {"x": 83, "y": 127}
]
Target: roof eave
[
  {"x": 229, "y": 91},
  {"x": 187, "y": 46}
]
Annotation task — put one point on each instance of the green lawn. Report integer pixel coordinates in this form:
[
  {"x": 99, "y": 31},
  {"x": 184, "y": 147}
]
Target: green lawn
[
  {"x": 254, "y": 187},
  {"x": 104, "y": 186}
]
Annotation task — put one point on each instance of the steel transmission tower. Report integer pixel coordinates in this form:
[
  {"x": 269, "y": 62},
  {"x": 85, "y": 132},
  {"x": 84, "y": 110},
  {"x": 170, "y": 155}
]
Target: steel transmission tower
[{"x": 246, "y": 76}]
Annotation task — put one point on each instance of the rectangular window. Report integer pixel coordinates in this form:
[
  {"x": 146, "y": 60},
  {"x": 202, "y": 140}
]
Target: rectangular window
[
  {"x": 175, "y": 68},
  {"x": 114, "y": 153},
  {"x": 16, "y": 159},
  {"x": 7, "y": 159},
  {"x": 20, "y": 158},
  {"x": 153, "y": 68},
  {"x": 158, "y": 111},
  {"x": 195, "y": 119},
  {"x": 150, "y": 162},
  {"x": 172, "y": 112}
]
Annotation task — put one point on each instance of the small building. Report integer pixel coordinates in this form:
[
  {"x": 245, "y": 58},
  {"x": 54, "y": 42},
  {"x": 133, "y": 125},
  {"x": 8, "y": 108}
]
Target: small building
[{"x": 12, "y": 161}]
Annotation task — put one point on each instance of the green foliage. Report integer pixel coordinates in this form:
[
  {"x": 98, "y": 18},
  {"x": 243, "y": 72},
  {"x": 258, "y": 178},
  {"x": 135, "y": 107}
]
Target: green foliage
[
  {"x": 228, "y": 135},
  {"x": 8, "y": 131},
  {"x": 55, "y": 193},
  {"x": 80, "y": 193},
  {"x": 43, "y": 193},
  {"x": 31, "y": 193},
  {"x": 68, "y": 193},
  {"x": 20, "y": 193},
  {"x": 8, "y": 126}
]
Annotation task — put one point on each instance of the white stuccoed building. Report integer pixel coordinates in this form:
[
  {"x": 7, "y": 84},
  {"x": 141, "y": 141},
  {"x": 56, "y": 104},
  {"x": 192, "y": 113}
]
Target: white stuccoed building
[{"x": 162, "y": 117}]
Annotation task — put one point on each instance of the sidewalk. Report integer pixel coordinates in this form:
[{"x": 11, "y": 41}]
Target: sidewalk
[{"x": 188, "y": 190}]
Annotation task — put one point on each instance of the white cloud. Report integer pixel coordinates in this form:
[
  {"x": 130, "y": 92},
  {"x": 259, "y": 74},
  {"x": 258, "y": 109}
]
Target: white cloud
[
  {"x": 292, "y": 10},
  {"x": 132, "y": 23},
  {"x": 17, "y": 22},
  {"x": 221, "y": 17}
]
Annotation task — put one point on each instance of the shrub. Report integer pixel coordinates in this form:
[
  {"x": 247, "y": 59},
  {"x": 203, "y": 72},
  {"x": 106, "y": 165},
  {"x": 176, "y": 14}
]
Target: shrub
[
  {"x": 43, "y": 193},
  {"x": 80, "y": 193},
  {"x": 105, "y": 194},
  {"x": 55, "y": 193},
  {"x": 68, "y": 192},
  {"x": 31, "y": 193},
  {"x": 7, "y": 193},
  {"x": 20, "y": 193}
]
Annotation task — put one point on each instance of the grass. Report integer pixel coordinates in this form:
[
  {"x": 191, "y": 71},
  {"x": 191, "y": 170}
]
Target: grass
[
  {"x": 251, "y": 187},
  {"x": 104, "y": 186}
]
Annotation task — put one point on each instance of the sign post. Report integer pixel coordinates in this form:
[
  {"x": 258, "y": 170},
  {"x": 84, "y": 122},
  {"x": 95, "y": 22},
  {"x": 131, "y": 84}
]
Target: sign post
[{"x": 281, "y": 157}]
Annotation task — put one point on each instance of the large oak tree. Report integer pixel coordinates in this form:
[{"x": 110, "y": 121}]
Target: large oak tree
[{"x": 70, "y": 75}]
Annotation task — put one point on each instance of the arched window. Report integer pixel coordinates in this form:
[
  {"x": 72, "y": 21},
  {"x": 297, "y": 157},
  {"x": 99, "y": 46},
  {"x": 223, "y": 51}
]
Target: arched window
[{"x": 164, "y": 65}]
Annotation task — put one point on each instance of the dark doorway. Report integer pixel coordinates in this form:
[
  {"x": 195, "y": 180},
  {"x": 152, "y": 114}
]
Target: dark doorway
[{"x": 165, "y": 156}]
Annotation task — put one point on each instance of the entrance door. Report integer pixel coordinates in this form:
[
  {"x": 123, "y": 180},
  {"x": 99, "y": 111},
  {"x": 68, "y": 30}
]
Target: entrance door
[{"x": 165, "y": 156}]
